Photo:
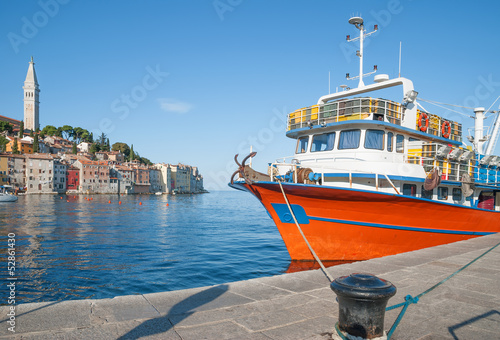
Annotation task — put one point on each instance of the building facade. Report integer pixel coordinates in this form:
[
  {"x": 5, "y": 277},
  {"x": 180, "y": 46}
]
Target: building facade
[
  {"x": 94, "y": 177},
  {"x": 39, "y": 174},
  {"x": 17, "y": 171},
  {"x": 166, "y": 184},
  {"x": 4, "y": 169},
  {"x": 72, "y": 178},
  {"x": 155, "y": 184}
]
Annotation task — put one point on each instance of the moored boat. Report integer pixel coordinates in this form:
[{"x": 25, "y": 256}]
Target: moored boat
[
  {"x": 6, "y": 195},
  {"x": 372, "y": 177}
]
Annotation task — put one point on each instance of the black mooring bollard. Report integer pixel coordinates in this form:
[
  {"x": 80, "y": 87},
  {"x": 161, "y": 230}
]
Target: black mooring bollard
[{"x": 362, "y": 300}]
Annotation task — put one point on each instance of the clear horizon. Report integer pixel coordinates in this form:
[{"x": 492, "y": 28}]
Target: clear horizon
[{"x": 196, "y": 83}]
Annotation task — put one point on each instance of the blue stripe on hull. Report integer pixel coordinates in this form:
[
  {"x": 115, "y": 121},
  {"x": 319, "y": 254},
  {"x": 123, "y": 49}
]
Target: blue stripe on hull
[{"x": 396, "y": 227}]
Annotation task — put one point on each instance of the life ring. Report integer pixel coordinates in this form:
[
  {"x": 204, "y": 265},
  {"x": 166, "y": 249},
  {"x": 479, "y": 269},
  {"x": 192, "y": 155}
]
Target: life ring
[
  {"x": 446, "y": 129},
  {"x": 423, "y": 122}
]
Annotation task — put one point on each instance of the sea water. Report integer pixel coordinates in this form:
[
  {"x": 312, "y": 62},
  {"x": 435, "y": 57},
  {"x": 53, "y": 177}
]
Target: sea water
[{"x": 78, "y": 247}]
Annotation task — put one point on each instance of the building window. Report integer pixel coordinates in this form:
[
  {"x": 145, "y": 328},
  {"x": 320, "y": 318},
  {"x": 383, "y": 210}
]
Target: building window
[
  {"x": 349, "y": 139},
  {"x": 442, "y": 193},
  {"x": 302, "y": 144},
  {"x": 400, "y": 139},
  {"x": 374, "y": 139},
  {"x": 323, "y": 142},
  {"x": 390, "y": 136},
  {"x": 457, "y": 194},
  {"x": 409, "y": 189},
  {"x": 427, "y": 194}
]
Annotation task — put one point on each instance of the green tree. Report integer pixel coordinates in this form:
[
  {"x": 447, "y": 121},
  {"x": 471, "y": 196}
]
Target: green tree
[
  {"x": 74, "y": 150},
  {"x": 4, "y": 126},
  {"x": 79, "y": 134},
  {"x": 146, "y": 161},
  {"x": 35, "y": 144},
  {"x": 31, "y": 134},
  {"x": 94, "y": 148},
  {"x": 132, "y": 154},
  {"x": 67, "y": 131},
  {"x": 49, "y": 130},
  {"x": 21, "y": 130},
  {"x": 15, "y": 150},
  {"x": 122, "y": 147},
  {"x": 3, "y": 142}
]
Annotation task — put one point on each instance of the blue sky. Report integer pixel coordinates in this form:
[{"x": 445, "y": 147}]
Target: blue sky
[{"x": 199, "y": 81}]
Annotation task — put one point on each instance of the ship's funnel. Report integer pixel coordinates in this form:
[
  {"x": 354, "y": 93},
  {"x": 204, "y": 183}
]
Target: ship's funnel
[{"x": 478, "y": 129}]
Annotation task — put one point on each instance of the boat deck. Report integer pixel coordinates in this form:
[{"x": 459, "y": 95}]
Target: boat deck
[{"x": 290, "y": 306}]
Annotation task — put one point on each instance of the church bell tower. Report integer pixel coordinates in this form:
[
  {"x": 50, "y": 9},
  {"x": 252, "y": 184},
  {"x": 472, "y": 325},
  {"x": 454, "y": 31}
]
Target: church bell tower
[{"x": 31, "y": 99}]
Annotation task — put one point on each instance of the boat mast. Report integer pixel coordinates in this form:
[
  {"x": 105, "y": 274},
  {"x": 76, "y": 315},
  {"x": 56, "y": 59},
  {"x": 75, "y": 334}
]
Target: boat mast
[{"x": 358, "y": 22}]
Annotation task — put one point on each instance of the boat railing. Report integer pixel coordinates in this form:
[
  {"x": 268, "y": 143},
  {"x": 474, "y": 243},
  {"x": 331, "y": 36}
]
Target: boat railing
[
  {"x": 344, "y": 110},
  {"x": 292, "y": 174},
  {"x": 454, "y": 162}
]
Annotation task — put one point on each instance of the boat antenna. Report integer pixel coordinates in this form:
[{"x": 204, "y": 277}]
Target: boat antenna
[
  {"x": 399, "y": 75},
  {"x": 358, "y": 22},
  {"x": 329, "y": 83}
]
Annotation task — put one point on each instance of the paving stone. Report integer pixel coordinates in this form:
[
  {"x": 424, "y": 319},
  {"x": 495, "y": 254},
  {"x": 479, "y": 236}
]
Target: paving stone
[
  {"x": 181, "y": 302},
  {"x": 264, "y": 321},
  {"x": 291, "y": 283},
  {"x": 322, "y": 326},
  {"x": 35, "y": 317},
  {"x": 223, "y": 330},
  {"x": 255, "y": 290},
  {"x": 316, "y": 309},
  {"x": 122, "y": 308},
  {"x": 123, "y": 330}
]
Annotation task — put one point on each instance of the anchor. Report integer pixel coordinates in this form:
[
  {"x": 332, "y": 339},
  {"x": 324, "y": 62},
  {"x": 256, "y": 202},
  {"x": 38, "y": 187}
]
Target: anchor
[{"x": 246, "y": 172}]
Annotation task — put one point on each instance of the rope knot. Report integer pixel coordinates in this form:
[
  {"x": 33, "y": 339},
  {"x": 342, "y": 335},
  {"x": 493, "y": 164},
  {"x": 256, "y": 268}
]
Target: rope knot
[{"x": 411, "y": 299}]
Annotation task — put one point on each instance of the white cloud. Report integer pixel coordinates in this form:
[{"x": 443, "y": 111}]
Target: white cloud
[{"x": 174, "y": 105}]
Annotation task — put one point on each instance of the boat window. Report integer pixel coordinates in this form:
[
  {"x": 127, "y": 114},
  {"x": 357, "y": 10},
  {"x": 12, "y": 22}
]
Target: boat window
[
  {"x": 400, "y": 143},
  {"x": 302, "y": 144},
  {"x": 427, "y": 194},
  {"x": 409, "y": 189},
  {"x": 442, "y": 193},
  {"x": 457, "y": 194},
  {"x": 323, "y": 142},
  {"x": 374, "y": 139},
  {"x": 390, "y": 136},
  {"x": 411, "y": 139},
  {"x": 349, "y": 139}
]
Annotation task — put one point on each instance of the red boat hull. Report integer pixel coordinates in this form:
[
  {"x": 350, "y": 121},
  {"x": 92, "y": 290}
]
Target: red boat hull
[{"x": 352, "y": 225}]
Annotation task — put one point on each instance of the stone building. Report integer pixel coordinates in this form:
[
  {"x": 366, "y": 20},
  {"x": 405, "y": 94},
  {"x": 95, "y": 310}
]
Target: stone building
[
  {"x": 39, "y": 174},
  {"x": 155, "y": 184},
  {"x": 17, "y": 171},
  {"x": 165, "y": 177},
  {"x": 94, "y": 177}
]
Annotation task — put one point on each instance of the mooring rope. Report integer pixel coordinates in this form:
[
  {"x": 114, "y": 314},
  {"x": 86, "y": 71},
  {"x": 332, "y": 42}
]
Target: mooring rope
[
  {"x": 410, "y": 300},
  {"x": 328, "y": 276}
]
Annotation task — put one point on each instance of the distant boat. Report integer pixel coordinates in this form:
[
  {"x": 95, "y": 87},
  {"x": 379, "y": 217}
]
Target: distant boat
[
  {"x": 5, "y": 196},
  {"x": 158, "y": 193}
]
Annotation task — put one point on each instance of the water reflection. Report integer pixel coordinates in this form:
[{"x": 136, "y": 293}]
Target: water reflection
[{"x": 71, "y": 247}]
